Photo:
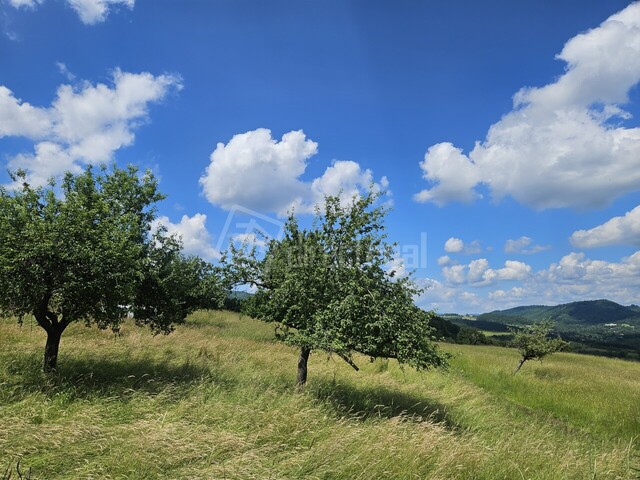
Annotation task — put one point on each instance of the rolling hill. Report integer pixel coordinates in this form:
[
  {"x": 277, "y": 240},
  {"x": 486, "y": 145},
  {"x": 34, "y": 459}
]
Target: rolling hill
[
  {"x": 592, "y": 312},
  {"x": 598, "y": 327}
]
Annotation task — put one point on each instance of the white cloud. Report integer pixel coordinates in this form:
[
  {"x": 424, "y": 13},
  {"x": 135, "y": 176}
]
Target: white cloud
[
  {"x": 574, "y": 277},
  {"x": 469, "y": 298},
  {"x": 84, "y": 124},
  {"x": 563, "y": 145},
  {"x": 344, "y": 178},
  {"x": 523, "y": 245},
  {"x": 97, "y": 120},
  {"x": 196, "y": 239},
  {"x": 455, "y": 176},
  {"x": 48, "y": 160},
  {"x": 513, "y": 293},
  {"x": 455, "y": 274},
  {"x": 617, "y": 231},
  {"x": 446, "y": 299},
  {"x": 477, "y": 270},
  {"x": 397, "y": 267},
  {"x": 576, "y": 267},
  {"x": 479, "y": 274},
  {"x": 453, "y": 245},
  {"x": 95, "y": 11},
  {"x": 250, "y": 239},
  {"x": 24, "y": 3},
  {"x": 513, "y": 270},
  {"x": 21, "y": 118},
  {"x": 89, "y": 11},
  {"x": 444, "y": 260},
  {"x": 456, "y": 245},
  {"x": 258, "y": 172}
]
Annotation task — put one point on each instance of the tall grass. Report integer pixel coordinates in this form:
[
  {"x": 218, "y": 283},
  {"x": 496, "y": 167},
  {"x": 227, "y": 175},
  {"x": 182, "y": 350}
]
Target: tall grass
[{"x": 216, "y": 399}]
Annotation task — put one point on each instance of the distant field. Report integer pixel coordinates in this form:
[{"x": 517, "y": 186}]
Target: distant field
[
  {"x": 496, "y": 334},
  {"x": 216, "y": 400}
]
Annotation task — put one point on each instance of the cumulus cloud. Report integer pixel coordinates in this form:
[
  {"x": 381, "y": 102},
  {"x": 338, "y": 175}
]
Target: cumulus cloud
[
  {"x": 523, "y": 245},
  {"x": 623, "y": 230},
  {"x": 563, "y": 144},
  {"x": 575, "y": 266},
  {"x": 447, "y": 299},
  {"x": 453, "y": 245},
  {"x": 444, "y": 260},
  {"x": 85, "y": 124},
  {"x": 513, "y": 293},
  {"x": 478, "y": 273},
  {"x": 89, "y": 11},
  {"x": 256, "y": 171},
  {"x": 454, "y": 175},
  {"x": 21, "y": 118},
  {"x": 196, "y": 239},
  {"x": 456, "y": 245},
  {"x": 344, "y": 178},
  {"x": 574, "y": 277}
]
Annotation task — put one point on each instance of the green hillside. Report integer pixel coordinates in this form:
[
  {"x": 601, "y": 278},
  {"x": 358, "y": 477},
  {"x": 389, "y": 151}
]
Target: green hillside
[
  {"x": 216, "y": 400},
  {"x": 598, "y": 327},
  {"x": 591, "y": 312}
]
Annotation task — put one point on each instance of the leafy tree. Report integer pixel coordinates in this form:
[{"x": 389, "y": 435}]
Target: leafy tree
[
  {"x": 84, "y": 251},
  {"x": 329, "y": 288},
  {"x": 534, "y": 342}
]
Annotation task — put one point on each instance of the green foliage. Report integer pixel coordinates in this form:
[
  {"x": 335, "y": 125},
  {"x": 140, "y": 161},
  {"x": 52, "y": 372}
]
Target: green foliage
[
  {"x": 448, "y": 331},
  {"x": 534, "y": 343},
  {"x": 329, "y": 288},
  {"x": 83, "y": 251},
  {"x": 471, "y": 336}
]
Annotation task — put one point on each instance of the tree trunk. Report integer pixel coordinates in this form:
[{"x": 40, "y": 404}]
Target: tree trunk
[
  {"x": 522, "y": 360},
  {"x": 302, "y": 366},
  {"x": 51, "y": 350}
]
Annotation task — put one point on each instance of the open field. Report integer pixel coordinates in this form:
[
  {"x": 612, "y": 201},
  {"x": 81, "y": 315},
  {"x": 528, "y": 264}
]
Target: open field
[{"x": 216, "y": 399}]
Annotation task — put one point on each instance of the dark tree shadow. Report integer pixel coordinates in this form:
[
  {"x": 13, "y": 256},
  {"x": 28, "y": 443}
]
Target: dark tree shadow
[
  {"x": 122, "y": 377},
  {"x": 378, "y": 401}
]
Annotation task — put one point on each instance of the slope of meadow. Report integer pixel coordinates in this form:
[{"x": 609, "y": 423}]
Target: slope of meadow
[{"x": 216, "y": 399}]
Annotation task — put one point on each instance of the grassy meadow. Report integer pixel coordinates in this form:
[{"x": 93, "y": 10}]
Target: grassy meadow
[{"x": 216, "y": 400}]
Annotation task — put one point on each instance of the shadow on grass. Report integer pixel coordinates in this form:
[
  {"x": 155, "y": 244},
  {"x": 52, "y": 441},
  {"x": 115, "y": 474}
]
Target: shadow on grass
[
  {"x": 93, "y": 376},
  {"x": 378, "y": 401}
]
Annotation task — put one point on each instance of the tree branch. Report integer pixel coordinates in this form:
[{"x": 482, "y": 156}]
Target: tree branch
[
  {"x": 41, "y": 313},
  {"x": 349, "y": 361}
]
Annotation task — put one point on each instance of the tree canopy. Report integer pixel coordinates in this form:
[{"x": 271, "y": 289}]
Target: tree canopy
[
  {"x": 330, "y": 288},
  {"x": 534, "y": 342},
  {"x": 84, "y": 251}
]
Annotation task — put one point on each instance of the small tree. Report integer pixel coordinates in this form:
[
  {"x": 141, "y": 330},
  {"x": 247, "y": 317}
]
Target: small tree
[
  {"x": 85, "y": 252},
  {"x": 534, "y": 342},
  {"x": 329, "y": 288}
]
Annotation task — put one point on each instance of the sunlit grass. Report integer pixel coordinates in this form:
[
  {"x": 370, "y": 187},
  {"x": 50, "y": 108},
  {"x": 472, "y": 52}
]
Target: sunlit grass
[{"x": 216, "y": 399}]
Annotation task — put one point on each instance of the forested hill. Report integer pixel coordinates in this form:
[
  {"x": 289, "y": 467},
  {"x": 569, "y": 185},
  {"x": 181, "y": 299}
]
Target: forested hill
[{"x": 593, "y": 312}]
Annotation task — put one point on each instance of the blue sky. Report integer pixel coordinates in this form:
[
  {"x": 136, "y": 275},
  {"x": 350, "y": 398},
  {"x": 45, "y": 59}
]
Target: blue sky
[{"x": 506, "y": 132}]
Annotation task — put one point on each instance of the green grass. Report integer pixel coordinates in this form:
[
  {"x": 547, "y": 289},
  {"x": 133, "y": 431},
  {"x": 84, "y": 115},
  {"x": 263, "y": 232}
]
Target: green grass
[
  {"x": 216, "y": 399},
  {"x": 496, "y": 334}
]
